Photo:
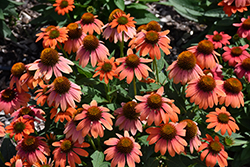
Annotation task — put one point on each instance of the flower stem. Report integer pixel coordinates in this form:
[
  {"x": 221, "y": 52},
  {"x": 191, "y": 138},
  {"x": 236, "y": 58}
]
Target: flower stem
[
  {"x": 122, "y": 45},
  {"x": 92, "y": 142},
  {"x": 156, "y": 70},
  {"x": 1, "y": 157},
  {"x": 183, "y": 91},
  {"x": 63, "y": 50},
  {"x": 107, "y": 88},
  {"x": 69, "y": 17},
  {"x": 134, "y": 83},
  {"x": 99, "y": 143}
]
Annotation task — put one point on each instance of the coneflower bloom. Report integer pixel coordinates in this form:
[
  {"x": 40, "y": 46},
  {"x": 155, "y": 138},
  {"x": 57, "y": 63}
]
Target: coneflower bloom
[
  {"x": 64, "y": 6},
  {"x": 222, "y": 120},
  {"x": 61, "y": 115},
  {"x": 70, "y": 128},
  {"x": 153, "y": 25},
  {"x": 33, "y": 149},
  {"x": 93, "y": 119},
  {"x": 67, "y": 151},
  {"x": 219, "y": 39},
  {"x": 20, "y": 127},
  {"x": 184, "y": 69},
  {"x": 11, "y": 99},
  {"x": 156, "y": 108},
  {"x": 192, "y": 135},
  {"x": 238, "y": 3},
  {"x": 234, "y": 97},
  {"x": 41, "y": 96},
  {"x": 216, "y": 72},
  {"x": 106, "y": 70},
  {"x": 127, "y": 118},
  {"x": 232, "y": 9},
  {"x": 90, "y": 23},
  {"x": 205, "y": 54},
  {"x": 205, "y": 91},
  {"x": 29, "y": 112},
  {"x": 243, "y": 69},
  {"x": 17, "y": 70},
  {"x": 17, "y": 161},
  {"x": 244, "y": 28},
  {"x": 75, "y": 38},
  {"x": 54, "y": 35},
  {"x": 64, "y": 92},
  {"x": 235, "y": 54},
  {"x": 214, "y": 151},
  {"x": 47, "y": 163},
  {"x": 44, "y": 32},
  {"x": 50, "y": 62},
  {"x": 50, "y": 138},
  {"x": 112, "y": 33},
  {"x": 133, "y": 65},
  {"x": 122, "y": 150},
  {"x": 92, "y": 49},
  {"x": 169, "y": 137},
  {"x": 2, "y": 130},
  {"x": 150, "y": 42}
]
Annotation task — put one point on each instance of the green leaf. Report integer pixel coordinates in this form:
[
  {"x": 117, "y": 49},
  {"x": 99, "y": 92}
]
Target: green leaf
[
  {"x": 7, "y": 149},
  {"x": 149, "y": 0},
  {"x": 137, "y": 6},
  {"x": 16, "y": 3},
  {"x": 85, "y": 71},
  {"x": 1, "y": 14},
  {"x": 120, "y": 4},
  {"x": 98, "y": 158},
  {"x": 5, "y": 31},
  {"x": 146, "y": 18}
]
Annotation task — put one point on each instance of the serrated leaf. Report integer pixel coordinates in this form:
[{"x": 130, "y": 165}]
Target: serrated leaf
[
  {"x": 120, "y": 4},
  {"x": 98, "y": 158}
]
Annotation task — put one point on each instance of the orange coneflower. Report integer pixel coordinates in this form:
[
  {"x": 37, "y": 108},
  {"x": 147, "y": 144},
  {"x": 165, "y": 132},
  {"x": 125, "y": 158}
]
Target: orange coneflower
[
  {"x": 124, "y": 147},
  {"x": 44, "y": 32},
  {"x": 169, "y": 137},
  {"x": 42, "y": 95},
  {"x": 243, "y": 69},
  {"x": 61, "y": 115},
  {"x": 219, "y": 39},
  {"x": 66, "y": 151},
  {"x": 17, "y": 161},
  {"x": 152, "y": 25},
  {"x": 244, "y": 28},
  {"x": 11, "y": 99},
  {"x": 20, "y": 127},
  {"x": 222, "y": 120},
  {"x": 17, "y": 70},
  {"x": 156, "y": 108},
  {"x": 214, "y": 151},
  {"x": 106, "y": 70},
  {"x": 90, "y": 23},
  {"x": 93, "y": 119},
  {"x": 47, "y": 163},
  {"x": 64, "y": 6},
  {"x": 54, "y": 35},
  {"x": 127, "y": 118},
  {"x": 232, "y": 9},
  {"x": 238, "y": 3},
  {"x": 133, "y": 65}
]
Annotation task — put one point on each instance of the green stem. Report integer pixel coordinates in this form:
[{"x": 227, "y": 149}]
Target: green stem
[
  {"x": 134, "y": 83},
  {"x": 107, "y": 88},
  {"x": 69, "y": 17},
  {"x": 92, "y": 142},
  {"x": 1, "y": 157},
  {"x": 99, "y": 143},
  {"x": 156, "y": 70},
  {"x": 183, "y": 91},
  {"x": 63, "y": 50},
  {"x": 122, "y": 45}
]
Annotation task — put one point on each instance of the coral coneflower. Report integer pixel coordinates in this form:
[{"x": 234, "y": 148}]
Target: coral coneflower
[
  {"x": 214, "y": 151},
  {"x": 64, "y": 6},
  {"x": 156, "y": 108},
  {"x": 92, "y": 49},
  {"x": 50, "y": 62},
  {"x": 47, "y": 163},
  {"x": 205, "y": 54},
  {"x": 64, "y": 92},
  {"x": 133, "y": 65},
  {"x": 112, "y": 33},
  {"x": 106, "y": 70},
  {"x": 2, "y": 130},
  {"x": 192, "y": 134},
  {"x": 61, "y": 115},
  {"x": 127, "y": 118},
  {"x": 235, "y": 54},
  {"x": 216, "y": 72},
  {"x": 153, "y": 25},
  {"x": 123, "y": 150},
  {"x": 244, "y": 28},
  {"x": 169, "y": 137},
  {"x": 219, "y": 39},
  {"x": 90, "y": 23},
  {"x": 205, "y": 91},
  {"x": 184, "y": 69},
  {"x": 54, "y": 35},
  {"x": 234, "y": 97},
  {"x": 33, "y": 149},
  {"x": 11, "y": 99},
  {"x": 29, "y": 112},
  {"x": 232, "y": 9},
  {"x": 150, "y": 42},
  {"x": 70, "y": 128},
  {"x": 93, "y": 119},
  {"x": 238, "y": 3},
  {"x": 44, "y": 32},
  {"x": 67, "y": 151},
  {"x": 41, "y": 96},
  {"x": 20, "y": 127},
  {"x": 17, "y": 70},
  {"x": 222, "y": 120},
  {"x": 243, "y": 69},
  {"x": 75, "y": 38},
  {"x": 17, "y": 161}
]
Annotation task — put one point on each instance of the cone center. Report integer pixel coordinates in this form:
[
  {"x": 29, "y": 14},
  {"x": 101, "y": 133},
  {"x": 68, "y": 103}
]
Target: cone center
[
  {"x": 64, "y": 4},
  {"x": 152, "y": 37},
  {"x": 66, "y": 146},
  {"x": 87, "y": 18},
  {"x": 90, "y": 42},
  {"x": 54, "y": 33},
  {"x": 191, "y": 129},
  {"x": 49, "y": 57},
  {"x": 132, "y": 61},
  {"x": 25, "y": 111},
  {"x": 8, "y": 95},
  {"x": 186, "y": 60},
  {"x": 215, "y": 147},
  {"x": 18, "y": 69},
  {"x": 236, "y": 51},
  {"x": 107, "y": 67},
  {"x": 125, "y": 145},
  {"x": 61, "y": 85},
  {"x": 205, "y": 46},
  {"x": 154, "y": 101},
  {"x": 233, "y": 85},
  {"x": 19, "y": 127},
  {"x": 223, "y": 118},
  {"x": 168, "y": 131},
  {"x": 246, "y": 24},
  {"x": 113, "y": 13},
  {"x": 217, "y": 37},
  {"x": 246, "y": 64},
  {"x": 129, "y": 110},
  {"x": 94, "y": 113},
  {"x": 122, "y": 20},
  {"x": 75, "y": 30},
  {"x": 153, "y": 25},
  {"x": 29, "y": 144},
  {"x": 207, "y": 83}
]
